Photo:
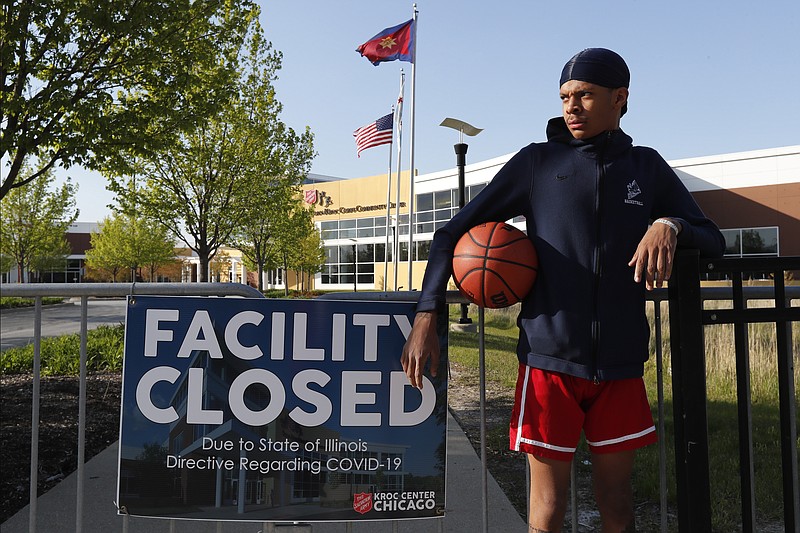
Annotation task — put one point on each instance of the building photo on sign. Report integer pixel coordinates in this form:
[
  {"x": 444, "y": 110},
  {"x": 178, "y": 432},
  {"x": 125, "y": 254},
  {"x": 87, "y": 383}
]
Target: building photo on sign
[{"x": 277, "y": 410}]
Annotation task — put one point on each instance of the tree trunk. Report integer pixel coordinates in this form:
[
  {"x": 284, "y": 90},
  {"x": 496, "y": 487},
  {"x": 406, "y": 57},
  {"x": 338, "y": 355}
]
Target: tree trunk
[
  {"x": 203, "y": 274},
  {"x": 285, "y": 274}
]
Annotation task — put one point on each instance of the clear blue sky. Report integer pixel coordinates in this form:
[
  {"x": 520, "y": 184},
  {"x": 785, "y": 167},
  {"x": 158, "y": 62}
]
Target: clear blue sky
[{"x": 706, "y": 77}]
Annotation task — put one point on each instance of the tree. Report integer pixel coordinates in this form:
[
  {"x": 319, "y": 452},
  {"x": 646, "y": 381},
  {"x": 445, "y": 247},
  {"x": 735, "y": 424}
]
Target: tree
[
  {"x": 310, "y": 256},
  {"x": 129, "y": 243},
  {"x": 192, "y": 190},
  {"x": 6, "y": 263},
  {"x": 81, "y": 80},
  {"x": 262, "y": 227},
  {"x": 53, "y": 256},
  {"x": 290, "y": 231},
  {"x": 34, "y": 221},
  {"x": 205, "y": 187},
  {"x": 277, "y": 158},
  {"x": 220, "y": 265},
  {"x": 103, "y": 256}
]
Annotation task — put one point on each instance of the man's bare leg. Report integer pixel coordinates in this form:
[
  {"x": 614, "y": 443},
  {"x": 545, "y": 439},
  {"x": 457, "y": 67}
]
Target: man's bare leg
[
  {"x": 611, "y": 478},
  {"x": 549, "y": 494}
]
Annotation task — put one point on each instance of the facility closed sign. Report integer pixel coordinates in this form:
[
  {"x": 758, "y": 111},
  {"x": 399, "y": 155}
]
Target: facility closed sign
[{"x": 277, "y": 410}]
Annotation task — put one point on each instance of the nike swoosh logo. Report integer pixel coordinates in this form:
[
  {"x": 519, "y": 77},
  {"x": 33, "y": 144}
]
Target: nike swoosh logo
[{"x": 561, "y": 177}]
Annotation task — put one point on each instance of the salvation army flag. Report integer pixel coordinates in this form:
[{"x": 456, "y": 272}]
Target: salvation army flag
[
  {"x": 395, "y": 43},
  {"x": 374, "y": 134}
]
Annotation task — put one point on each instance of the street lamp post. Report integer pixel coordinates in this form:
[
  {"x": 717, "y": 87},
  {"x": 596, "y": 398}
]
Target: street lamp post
[{"x": 461, "y": 162}]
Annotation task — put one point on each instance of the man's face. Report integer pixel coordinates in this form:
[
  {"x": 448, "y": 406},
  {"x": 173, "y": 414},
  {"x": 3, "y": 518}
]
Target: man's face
[{"x": 591, "y": 109}]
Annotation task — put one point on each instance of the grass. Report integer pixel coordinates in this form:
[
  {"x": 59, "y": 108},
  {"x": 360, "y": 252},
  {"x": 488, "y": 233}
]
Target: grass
[
  {"x": 501, "y": 366},
  {"x": 500, "y": 344}
]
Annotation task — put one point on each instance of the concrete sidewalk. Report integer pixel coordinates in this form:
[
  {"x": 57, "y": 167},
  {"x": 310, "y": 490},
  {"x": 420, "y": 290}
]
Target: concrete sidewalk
[{"x": 464, "y": 510}]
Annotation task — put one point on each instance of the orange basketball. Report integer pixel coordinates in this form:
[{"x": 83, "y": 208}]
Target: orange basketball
[{"x": 495, "y": 265}]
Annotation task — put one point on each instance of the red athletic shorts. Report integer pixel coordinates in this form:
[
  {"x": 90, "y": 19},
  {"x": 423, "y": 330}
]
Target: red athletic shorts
[{"x": 551, "y": 408}]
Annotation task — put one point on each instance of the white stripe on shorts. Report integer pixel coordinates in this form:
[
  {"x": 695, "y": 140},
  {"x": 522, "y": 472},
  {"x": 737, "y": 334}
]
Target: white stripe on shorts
[
  {"x": 609, "y": 442},
  {"x": 522, "y": 409},
  {"x": 547, "y": 446},
  {"x": 532, "y": 442}
]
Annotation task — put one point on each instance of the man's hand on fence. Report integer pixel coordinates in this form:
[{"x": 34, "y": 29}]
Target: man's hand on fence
[
  {"x": 422, "y": 344},
  {"x": 654, "y": 255}
]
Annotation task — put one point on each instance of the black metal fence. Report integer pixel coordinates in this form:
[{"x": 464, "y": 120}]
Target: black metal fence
[{"x": 687, "y": 320}]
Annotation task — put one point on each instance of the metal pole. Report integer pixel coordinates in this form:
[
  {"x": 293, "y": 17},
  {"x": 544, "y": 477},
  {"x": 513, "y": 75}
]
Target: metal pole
[
  {"x": 37, "y": 365},
  {"x": 461, "y": 161},
  {"x": 82, "y": 414},
  {"x": 662, "y": 443},
  {"x": 745, "y": 415},
  {"x": 411, "y": 168},
  {"x": 574, "y": 493},
  {"x": 396, "y": 230},
  {"x": 482, "y": 385},
  {"x": 689, "y": 394},
  {"x": 388, "y": 217},
  {"x": 787, "y": 409}
]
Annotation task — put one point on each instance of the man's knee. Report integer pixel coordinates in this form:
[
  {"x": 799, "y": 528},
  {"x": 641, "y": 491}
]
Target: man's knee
[{"x": 550, "y": 503}]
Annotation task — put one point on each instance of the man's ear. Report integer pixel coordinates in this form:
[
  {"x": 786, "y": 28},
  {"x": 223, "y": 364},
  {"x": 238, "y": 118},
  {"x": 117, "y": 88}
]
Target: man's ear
[{"x": 620, "y": 97}]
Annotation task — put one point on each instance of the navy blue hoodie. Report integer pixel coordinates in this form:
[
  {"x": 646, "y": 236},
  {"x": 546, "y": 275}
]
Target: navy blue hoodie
[{"x": 587, "y": 204}]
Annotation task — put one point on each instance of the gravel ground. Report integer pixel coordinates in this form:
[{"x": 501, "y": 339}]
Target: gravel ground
[{"x": 58, "y": 431}]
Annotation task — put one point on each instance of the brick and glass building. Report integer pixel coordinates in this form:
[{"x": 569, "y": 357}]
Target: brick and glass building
[{"x": 753, "y": 196}]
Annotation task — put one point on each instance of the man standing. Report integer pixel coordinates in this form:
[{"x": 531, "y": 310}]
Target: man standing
[{"x": 605, "y": 217}]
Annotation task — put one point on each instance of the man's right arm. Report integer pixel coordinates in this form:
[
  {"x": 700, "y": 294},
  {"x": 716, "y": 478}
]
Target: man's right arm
[{"x": 506, "y": 196}]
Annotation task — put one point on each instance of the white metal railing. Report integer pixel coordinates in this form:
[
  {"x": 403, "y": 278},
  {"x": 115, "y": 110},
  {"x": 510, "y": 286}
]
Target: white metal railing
[{"x": 86, "y": 290}]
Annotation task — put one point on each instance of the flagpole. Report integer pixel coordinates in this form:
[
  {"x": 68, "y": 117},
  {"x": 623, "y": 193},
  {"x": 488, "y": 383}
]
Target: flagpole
[
  {"x": 388, "y": 210},
  {"x": 411, "y": 148},
  {"x": 396, "y": 232}
]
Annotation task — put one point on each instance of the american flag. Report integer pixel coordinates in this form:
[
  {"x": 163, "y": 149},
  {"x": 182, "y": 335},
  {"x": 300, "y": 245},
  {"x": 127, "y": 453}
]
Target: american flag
[{"x": 374, "y": 134}]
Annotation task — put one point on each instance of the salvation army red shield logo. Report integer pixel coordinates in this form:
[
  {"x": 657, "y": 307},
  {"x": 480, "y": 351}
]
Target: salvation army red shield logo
[
  {"x": 362, "y": 502},
  {"x": 310, "y": 196}
]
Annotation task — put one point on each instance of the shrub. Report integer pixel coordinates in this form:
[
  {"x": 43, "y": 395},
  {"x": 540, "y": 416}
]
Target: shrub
[
  {"x": 10, "y": 302},
  {"x": 61, "y": 355}
]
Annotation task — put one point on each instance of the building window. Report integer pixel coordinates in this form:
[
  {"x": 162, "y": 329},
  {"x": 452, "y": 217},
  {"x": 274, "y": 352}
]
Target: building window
[
  {"x": 341, "y": 264},
  {"x": 347, "y": 228},
  {"x": 434, "y": 209},
  {"x": 473, "y": 190},
  {"x": 423, "y": 250},
  {"x": 752, "y": 242},
  {"x": 749, "y": 242},
  {"x": 329, "y": 229},
  {"x": 275, "y": 277},
  {"x": 358, "y": 228}
]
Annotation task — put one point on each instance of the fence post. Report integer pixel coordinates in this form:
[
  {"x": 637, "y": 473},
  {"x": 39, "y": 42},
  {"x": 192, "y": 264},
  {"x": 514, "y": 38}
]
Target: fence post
[
  {"x": 689, "y": 394},
  {"x": 788, "y": 410}
]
